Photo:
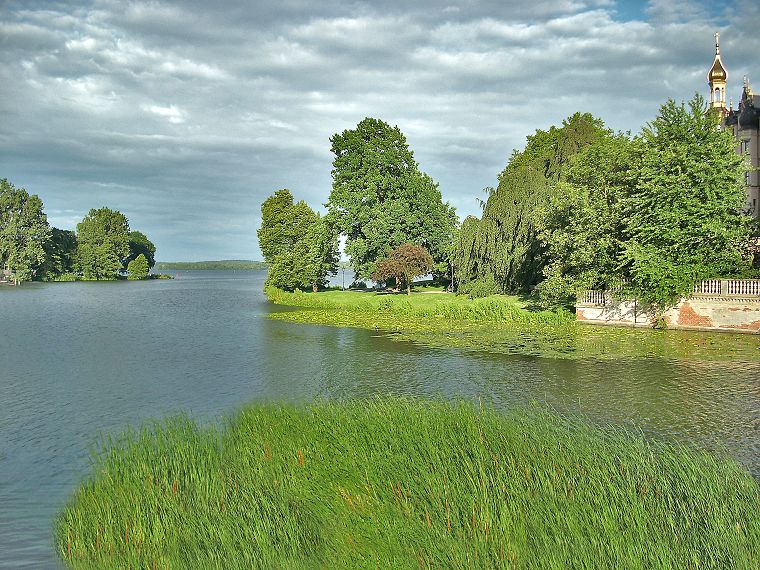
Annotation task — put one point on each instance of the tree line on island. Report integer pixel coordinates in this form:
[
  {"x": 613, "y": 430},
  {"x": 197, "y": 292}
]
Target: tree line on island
[
  {"x": 580, "y": 207},
  {"x": 218, "y": 265},
  {"x": 103, "y": 247}
]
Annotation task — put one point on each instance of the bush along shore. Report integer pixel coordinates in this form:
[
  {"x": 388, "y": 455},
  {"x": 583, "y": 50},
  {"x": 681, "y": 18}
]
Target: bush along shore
[
  {"x": 401, "y": 483},
  {"x": 502, "y": 324}
]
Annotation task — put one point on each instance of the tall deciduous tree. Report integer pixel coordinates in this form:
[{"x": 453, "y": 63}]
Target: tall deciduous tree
[
  {"x": 283, "y": 224},
  {"x": 139, "y": 244},
  {"x": 300, "y": 247},
  {"x": 380, "y": 199},
  {"x": 103, "y": 243},
  {"x": 60, "y": 252},
  {"x": 684, "y": 219},
  {"x": 403, "y": 264},
  {"x": 504, "y": 246},
  {"x": 582, "y": 224},
  {"x": 24, "y": 231}
]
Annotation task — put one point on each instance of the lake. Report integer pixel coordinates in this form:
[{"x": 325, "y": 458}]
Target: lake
[{"x": 81, "y": 359}]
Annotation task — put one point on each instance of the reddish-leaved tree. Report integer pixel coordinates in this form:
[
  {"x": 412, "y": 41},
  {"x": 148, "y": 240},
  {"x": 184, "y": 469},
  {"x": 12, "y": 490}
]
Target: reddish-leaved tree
[{"x": 404, "y": 264}]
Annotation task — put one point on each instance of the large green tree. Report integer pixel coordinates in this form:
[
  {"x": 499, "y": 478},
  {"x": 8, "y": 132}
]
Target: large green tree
[
  {"x": 299, "y": 245},
  {"x": 139, "y": 244},
  {"x": 684, "y": 217},
  {"x": 582, "y": 224},
  {"x": 103, "y": 243},
  {"x": 24, "y": 231},
  {"x": 380, "y": 199},
  {"x": 504, "y": 246},
  {"x": 283, "y": 223},
  {"x": 60, "y": 253}
]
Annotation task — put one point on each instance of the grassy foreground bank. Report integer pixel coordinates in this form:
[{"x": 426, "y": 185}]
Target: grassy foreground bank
[
  {"x": 395, "y": 483},
  {"x": 505, "y": 325}
]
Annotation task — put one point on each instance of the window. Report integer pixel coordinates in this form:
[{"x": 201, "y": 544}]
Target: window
[{"x": 746, "y": 178}]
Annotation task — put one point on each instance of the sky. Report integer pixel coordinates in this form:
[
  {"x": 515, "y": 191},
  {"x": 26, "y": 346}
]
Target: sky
[{"x": 186, "y": 115}]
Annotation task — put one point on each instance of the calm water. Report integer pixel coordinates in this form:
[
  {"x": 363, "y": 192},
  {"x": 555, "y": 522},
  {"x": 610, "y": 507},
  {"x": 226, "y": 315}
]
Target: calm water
[{"x": 79, "y": 359}]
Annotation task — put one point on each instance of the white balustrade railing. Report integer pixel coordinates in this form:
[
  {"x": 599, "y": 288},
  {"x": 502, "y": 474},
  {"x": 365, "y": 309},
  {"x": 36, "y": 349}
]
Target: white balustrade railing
[
  {"x": 728, "y": 287},
  {"x": 750, "y": 287},
  {"x": 708, "y": 287},
  {"x": 593, "y": 297}
]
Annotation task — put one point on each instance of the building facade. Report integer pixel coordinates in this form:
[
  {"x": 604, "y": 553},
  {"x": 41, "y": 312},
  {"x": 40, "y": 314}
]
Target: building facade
[{"x": 744, "y": 123}]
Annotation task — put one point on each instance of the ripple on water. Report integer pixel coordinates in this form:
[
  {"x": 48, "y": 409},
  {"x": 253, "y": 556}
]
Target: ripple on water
[{"x": 109, "y": 354}]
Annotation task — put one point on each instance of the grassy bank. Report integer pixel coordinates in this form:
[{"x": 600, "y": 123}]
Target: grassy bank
[
  {"x": 504, "y": 325},
  {"x": 394, "y": 483},
  {"x": 427, "y": 305}
]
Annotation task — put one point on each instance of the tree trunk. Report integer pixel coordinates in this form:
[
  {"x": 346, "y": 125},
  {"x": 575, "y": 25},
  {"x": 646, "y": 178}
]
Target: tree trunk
[
  {"x": 408, "y": 287},
  {"x": 314, "y": 288}
]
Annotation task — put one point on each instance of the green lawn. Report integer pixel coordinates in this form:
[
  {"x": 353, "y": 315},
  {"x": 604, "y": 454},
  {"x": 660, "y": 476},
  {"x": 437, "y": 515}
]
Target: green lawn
[
  {"x": 427, "y": 303},
  {"x": 396, "y": 483}
]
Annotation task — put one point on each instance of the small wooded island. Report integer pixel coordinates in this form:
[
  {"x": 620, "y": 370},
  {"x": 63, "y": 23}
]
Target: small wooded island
[{"x": 102, "y": 248}]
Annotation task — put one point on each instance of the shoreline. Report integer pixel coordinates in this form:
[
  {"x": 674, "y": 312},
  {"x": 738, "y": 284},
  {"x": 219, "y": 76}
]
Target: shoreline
[{"x": 528, "y": 333}]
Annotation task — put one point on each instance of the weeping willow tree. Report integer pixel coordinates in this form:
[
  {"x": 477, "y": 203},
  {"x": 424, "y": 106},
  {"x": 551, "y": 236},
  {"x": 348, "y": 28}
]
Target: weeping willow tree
[{"x": 503, "y": 246}]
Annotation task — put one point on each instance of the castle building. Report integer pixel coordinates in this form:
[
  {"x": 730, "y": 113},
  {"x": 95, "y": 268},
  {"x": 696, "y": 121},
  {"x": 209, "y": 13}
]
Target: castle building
[{"x": 744, "y": 122}]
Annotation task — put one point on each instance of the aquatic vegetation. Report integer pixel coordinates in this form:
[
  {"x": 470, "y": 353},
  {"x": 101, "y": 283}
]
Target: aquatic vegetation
[
  {"x": 501, "y": 324},
  {"x": 405, "y": 483}
]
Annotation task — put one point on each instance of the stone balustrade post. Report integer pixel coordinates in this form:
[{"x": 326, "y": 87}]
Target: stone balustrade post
[{"x": 724, "y": 287}]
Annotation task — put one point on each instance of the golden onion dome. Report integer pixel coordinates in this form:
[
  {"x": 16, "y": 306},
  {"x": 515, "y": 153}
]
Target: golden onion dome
[{"x": 717, "y": 71}]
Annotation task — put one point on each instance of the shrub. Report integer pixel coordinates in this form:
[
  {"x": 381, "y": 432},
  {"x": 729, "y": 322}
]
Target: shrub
[
  {"x": 138, "y": 268},
  {"x": 481, "y": 287}
]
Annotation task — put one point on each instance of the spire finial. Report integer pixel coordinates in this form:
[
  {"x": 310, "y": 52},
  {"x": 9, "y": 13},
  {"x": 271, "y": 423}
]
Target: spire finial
[{"x": 717, "y": 43}]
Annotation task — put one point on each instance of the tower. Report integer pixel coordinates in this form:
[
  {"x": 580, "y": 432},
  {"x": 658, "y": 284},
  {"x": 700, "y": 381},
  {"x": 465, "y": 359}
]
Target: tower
[
  {"x": 743, "y": 122},
  {"x": 717, "y": 78}
]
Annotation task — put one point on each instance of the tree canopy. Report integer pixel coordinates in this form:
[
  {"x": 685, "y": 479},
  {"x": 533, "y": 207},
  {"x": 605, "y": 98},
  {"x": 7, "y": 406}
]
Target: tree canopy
[
  {"x": 683, "y": 218},
  {"x": 651, "y": 216},
  {"x": 24, "y": 231},
  {"x": 380, "y": 199},
  {"x": 103, "y": 243},
  {"x": 582, "y": 223},
  {"x": 139, "y": 244},
  {"x": 283, "y": 224},
  {"x": 300, "y": 247},
  {"x": 504, "y": 247},
  {"x": 60, "y": 252},
  {"x": 138, "y": 268},
  {"x": 403, "y": 264}
]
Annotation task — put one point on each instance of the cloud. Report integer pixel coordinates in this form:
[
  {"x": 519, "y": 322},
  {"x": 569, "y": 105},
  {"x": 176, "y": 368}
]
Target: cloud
[
  {"x": 185, "y": 115},
  {"x": 170, "y": 113}
]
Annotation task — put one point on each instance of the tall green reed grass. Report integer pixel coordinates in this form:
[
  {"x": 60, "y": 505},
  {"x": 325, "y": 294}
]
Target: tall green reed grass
[{"x": 402, "y": 483}]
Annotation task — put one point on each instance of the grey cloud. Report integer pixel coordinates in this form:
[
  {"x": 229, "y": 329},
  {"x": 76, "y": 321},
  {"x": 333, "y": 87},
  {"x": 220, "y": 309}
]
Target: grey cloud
[{"x": 186, "y": 115}]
